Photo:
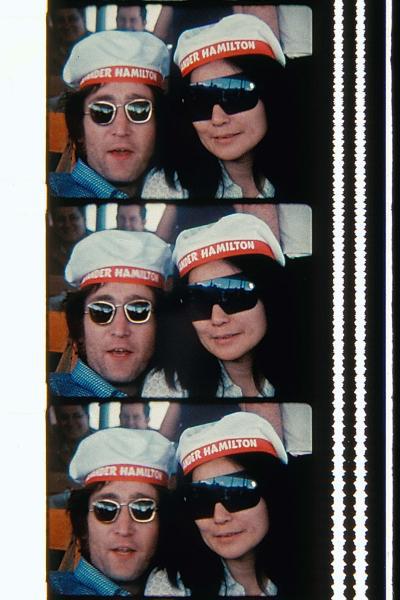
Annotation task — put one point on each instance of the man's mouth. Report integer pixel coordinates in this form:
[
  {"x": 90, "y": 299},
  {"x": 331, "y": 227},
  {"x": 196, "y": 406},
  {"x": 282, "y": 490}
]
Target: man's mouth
[
  {"x": 123, "y": 550},
  {"x": 121, "y": 153},
  {"x": 119, "y": 352}
]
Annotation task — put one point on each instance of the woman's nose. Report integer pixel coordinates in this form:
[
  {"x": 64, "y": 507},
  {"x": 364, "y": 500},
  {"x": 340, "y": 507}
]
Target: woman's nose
[
  {"x": 219, "y": 116},
  {"x": 218, "y": 315},
  {"x": 221, "y": 515}
]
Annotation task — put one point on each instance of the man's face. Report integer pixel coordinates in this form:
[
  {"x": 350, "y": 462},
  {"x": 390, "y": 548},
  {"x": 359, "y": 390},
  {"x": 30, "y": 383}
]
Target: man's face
[
  {"x": 119, "y": 352},
  {"x": 123, "y": 550},
  {"x": 129, "y": 217},
  {"x": 130, "y": 19},
  {"x": 73, "y": 421},
  {"x": 132, "y": 416},
  {"x": 69, "y": 24},
  {"x": 69, "y": 223},
  {"x": 120, "y": 152}
]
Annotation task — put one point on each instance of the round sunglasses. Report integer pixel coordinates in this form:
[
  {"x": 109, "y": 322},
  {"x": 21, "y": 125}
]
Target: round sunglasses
[
  {"x": 234, "y": 94},
  {"x": 235, "y": 492},
  {"x": 103, "y": 312},
  {"x": 233, "y": 294},
  {"x": 142, "y": 510},
  {"x": 103, "y": 112}
]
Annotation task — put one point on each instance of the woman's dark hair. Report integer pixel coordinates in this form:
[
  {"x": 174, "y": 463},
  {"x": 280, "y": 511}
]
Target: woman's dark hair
[
  {"x": 73, "y": 105},
  {"x": 184, "y": 357},
  {"x": 78, "y": 508},
  {"x": 189, "y": 551},
  {"x": 193, "y": 160}
]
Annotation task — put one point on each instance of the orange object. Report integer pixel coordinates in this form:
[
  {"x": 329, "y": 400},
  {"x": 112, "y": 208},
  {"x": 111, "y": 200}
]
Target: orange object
[
  {"x": 57, "y": 331},
  {"x": 59, "y": 529},
  {"x": 57, "y": 132}
]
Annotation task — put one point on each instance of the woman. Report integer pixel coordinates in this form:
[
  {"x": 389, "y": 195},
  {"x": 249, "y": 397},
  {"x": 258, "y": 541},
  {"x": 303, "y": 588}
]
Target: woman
[
  {"x": 230, "y": 519},
  {"x": 234, "y": 329},
  {"x": 232, "y": 141}
]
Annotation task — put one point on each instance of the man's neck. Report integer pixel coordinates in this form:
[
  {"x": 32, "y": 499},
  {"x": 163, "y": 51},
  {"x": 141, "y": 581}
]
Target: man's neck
[
  {"x": 131, "y": 189},
  {"x": 132, "y": 388},
  {"x": 136, "y": 588}
]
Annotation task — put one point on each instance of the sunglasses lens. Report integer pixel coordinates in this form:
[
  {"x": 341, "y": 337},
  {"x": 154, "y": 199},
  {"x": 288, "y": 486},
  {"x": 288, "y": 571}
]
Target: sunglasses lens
[
  {"x": 232, "y": 94},
  {"x": 101, "y": 313},
  {"x": 234, "y": 493},
  {"x": 143, "y": 510},
  {"x": 139, "y": 111},
  {"x": 232, "y": 295},
  {"x": 138, "y": 311},
  {"x": 105, "y": 511},
  {"x": 102, "y": 113}
]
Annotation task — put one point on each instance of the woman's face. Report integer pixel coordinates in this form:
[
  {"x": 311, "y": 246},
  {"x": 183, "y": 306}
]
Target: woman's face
[
  {"x": 231, "y": 535},
  {"x": 229, "y": 137},
  {"x": 228, "y": 337}
]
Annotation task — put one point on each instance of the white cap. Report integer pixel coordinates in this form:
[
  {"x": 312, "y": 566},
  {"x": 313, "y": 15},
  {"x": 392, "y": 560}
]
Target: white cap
[
  {"x": 110, "y": 56},
  {"x": 238, "y": 433},
  {"x": 233, "y": 235},
  {"x": 119, "y": 256},
  {"x": 120, "y": 454},
  {"x": 236, "y": 35}
]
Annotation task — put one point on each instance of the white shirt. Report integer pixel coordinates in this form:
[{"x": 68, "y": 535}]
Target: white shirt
[{"x": 158, "y": 584}]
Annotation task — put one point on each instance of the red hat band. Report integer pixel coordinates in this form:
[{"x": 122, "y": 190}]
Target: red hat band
[
  {"x": 123, "y": 274},
  {"x": 225, "y": 447},
  {"x": 122, "y": 74},
  {"x": 221, "y": 50},
  {"x": 128, "y": 473},
  {"x": 220, "y": 250}
]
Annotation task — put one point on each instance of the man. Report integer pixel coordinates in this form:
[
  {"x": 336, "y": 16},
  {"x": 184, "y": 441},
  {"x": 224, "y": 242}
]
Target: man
[
  {"x": 131, "y": 217},
  {"x": 64, "y": 437},
  {"x": 135, "y": 415},
  {"x": 111, "y": 319},
  {"x": 115, "y": 115},
  {"x": 117, "y": 516},
  {"x": 69, "y": 227},
  {"x": 131, "y": 18}
]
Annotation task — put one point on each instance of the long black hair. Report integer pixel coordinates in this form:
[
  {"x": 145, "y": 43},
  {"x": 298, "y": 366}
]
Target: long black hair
[
  {"x": 184, "y": 358},
  {"x": 193, "y": 161},
  {"x": 201, "y": 570}
]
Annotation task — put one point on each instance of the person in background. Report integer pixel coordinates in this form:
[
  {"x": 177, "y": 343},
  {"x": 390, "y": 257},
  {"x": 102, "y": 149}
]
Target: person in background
[
  {"x": 67, "y": 27},
  {"x": 71, "y": 428},
  {"x": 134, "y": 415},
  {"x": 131, "y": 18},
  {"x": 68, "y": 228},
  {"x": 118, "y": 513},
  {"x": 131, "y": 217}
]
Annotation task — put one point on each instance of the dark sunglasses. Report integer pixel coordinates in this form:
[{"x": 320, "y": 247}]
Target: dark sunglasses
[
  {"x": 103, "y": 312},
  {"x": 137, "y": 111},
  {"x": 233, "y": 294},
  {"x": 234, "y": 94},
  {"x": 235, "y": 492},
  {"x": 142, "y": 510}
]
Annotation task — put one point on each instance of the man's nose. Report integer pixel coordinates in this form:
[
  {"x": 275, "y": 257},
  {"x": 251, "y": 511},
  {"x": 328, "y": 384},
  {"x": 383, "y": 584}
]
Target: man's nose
[
  {"x": 124, "y": 524},
  {"x": 121, "y": 126},
  {"x": 120, "y": 325}
]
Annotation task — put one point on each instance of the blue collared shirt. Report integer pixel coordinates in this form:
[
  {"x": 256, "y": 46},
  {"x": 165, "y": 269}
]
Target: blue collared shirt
[
  {"x": 83, "y": 182},
  {"x": 82, "y": 381},
  {"x": 86, "y": 580}
]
